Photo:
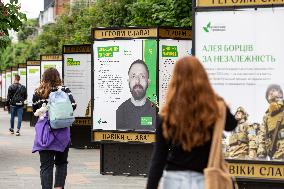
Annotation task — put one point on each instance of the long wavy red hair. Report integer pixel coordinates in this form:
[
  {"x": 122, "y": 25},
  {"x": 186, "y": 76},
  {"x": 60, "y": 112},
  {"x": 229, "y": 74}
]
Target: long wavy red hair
[{"x": 191, "y": 105}]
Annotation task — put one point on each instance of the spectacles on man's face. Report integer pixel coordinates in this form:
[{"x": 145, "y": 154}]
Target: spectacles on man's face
[{"x": 140, "y": 76}]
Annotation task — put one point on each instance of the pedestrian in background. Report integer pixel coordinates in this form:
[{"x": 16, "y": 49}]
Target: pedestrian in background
[
  {"x": 17, "y": 94},
  {"x": 52, "y": 144},
  {"x": 185, "y": 128}
]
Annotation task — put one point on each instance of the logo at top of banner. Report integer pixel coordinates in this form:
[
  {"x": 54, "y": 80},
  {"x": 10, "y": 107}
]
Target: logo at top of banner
[
  {"x": 107, "y": 51},
  {"x": 214, "y": 28},
  {"x": 71, "y": 62},
  {"x": 169, "y": 51}
]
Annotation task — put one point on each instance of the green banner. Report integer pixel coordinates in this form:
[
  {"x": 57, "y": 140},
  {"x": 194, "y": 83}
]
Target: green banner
[
  {"x": 45, "y": 67},
  {"x": 32, "y": 71},
  {"x": 23, "y": 73},
  {"x": 169, "y": 51},
  {"x": 71, "y": 62},
  {"x": 150, "y": 57},
  {"x": 107, "y": 51},
  {"x": 146, "y": 121}
]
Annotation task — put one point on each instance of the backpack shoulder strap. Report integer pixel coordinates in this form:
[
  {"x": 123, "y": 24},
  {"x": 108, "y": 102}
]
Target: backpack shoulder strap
[{"x": 18, "y": 89}]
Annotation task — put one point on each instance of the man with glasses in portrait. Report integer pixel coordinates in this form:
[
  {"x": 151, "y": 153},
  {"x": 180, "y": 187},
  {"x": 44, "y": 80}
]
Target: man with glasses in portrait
[{"x": 138, "y": 112}]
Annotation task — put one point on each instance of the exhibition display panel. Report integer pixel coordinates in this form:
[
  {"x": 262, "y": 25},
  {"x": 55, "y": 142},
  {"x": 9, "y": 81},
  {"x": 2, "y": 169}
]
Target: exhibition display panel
[
  {"x": 77, "y": 77},
  {"x": 130, "y": 73},
  {"x": 239, "y": 44},
  {"x": 33, "y": 81}
]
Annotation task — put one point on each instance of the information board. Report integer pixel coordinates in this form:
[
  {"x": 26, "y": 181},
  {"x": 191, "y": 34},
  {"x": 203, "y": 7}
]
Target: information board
[
  {"x": 0, "y": 86},
  {"x": 22, "y": 72},
  {"x": 115, "y": 90},
  {"x": 242, "y": 53},
  {"x": 3, "y": 94},
  {"x": 77, "y": 77},
  {"x": 170, "y": 52},
  {"x": 8, "y": 81},
  {"x": 33, "y": 79},
  {"x": 241, "y": 56},
  {"x": 51, "y": 61},
  {"x": 14, "y": 72}
]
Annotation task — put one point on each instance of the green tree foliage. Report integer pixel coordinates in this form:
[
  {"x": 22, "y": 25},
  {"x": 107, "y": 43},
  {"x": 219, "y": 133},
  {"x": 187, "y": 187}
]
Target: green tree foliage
[
  {"x": 10, "y": 18},
  {"x": 160, "y": 13},
  {"x": 75, "y": 27},
  {"x": 19, "y": 53},
  {"x": 28, "y": 29}
]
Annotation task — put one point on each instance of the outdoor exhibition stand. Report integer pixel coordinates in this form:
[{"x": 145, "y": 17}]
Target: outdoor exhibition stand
[
  {"x": 51, "y": 61},
  {"x": 14, "y": 71},
  {"x": 1, "y": 86},
  {"x": 8, "y": 82},
  {"x": 77, "y": 77},
  {"x": 22, "y": 72},
  {"x": 240, "y": 45},
  {"x": 128, "y": 151},
  {"x": 33, "y": 80}
]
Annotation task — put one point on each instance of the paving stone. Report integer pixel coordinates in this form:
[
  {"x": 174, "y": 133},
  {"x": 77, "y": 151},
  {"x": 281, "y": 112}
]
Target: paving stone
[{"x": 19, "y": 167}]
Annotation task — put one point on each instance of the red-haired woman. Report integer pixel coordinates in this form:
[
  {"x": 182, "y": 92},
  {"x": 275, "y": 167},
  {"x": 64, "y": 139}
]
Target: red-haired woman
[{"x": 184, "y": 131}]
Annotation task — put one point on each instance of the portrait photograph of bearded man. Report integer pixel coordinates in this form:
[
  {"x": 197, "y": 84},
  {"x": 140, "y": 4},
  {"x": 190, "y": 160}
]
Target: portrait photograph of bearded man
[{"x": 137, "y": 112}]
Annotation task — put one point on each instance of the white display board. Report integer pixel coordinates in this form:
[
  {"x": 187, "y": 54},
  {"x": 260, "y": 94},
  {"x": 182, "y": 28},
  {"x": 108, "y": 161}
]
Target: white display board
[
  {"x": 243, "y": 54},
  {"x": 77, "y": 76},
  {"x": 45, "y": 64},
  {"x": 3, "y": 92},
  {"x": 170, "y": 52},
  {"x": 8, "y": 82},
  {"x": 1, "y": 85},
  {"x": 112, "y": 60},
  {"x": 14, "y": 72},
  {"x": 33, "y": 80},
  {"x": 22, "y": 72}
]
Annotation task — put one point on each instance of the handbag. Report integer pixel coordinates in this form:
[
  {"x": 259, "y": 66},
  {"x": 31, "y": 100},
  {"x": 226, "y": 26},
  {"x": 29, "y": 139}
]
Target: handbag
[
  {"x": 43, "y": 138},
  {"x": 216, "y": 174}
]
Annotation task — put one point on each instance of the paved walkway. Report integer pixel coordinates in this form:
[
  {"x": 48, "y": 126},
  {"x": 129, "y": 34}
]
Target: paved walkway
[{"x": 19, "y": 168}]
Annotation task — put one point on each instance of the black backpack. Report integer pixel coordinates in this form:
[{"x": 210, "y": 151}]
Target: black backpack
[{"x": 18, "y": 98}]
